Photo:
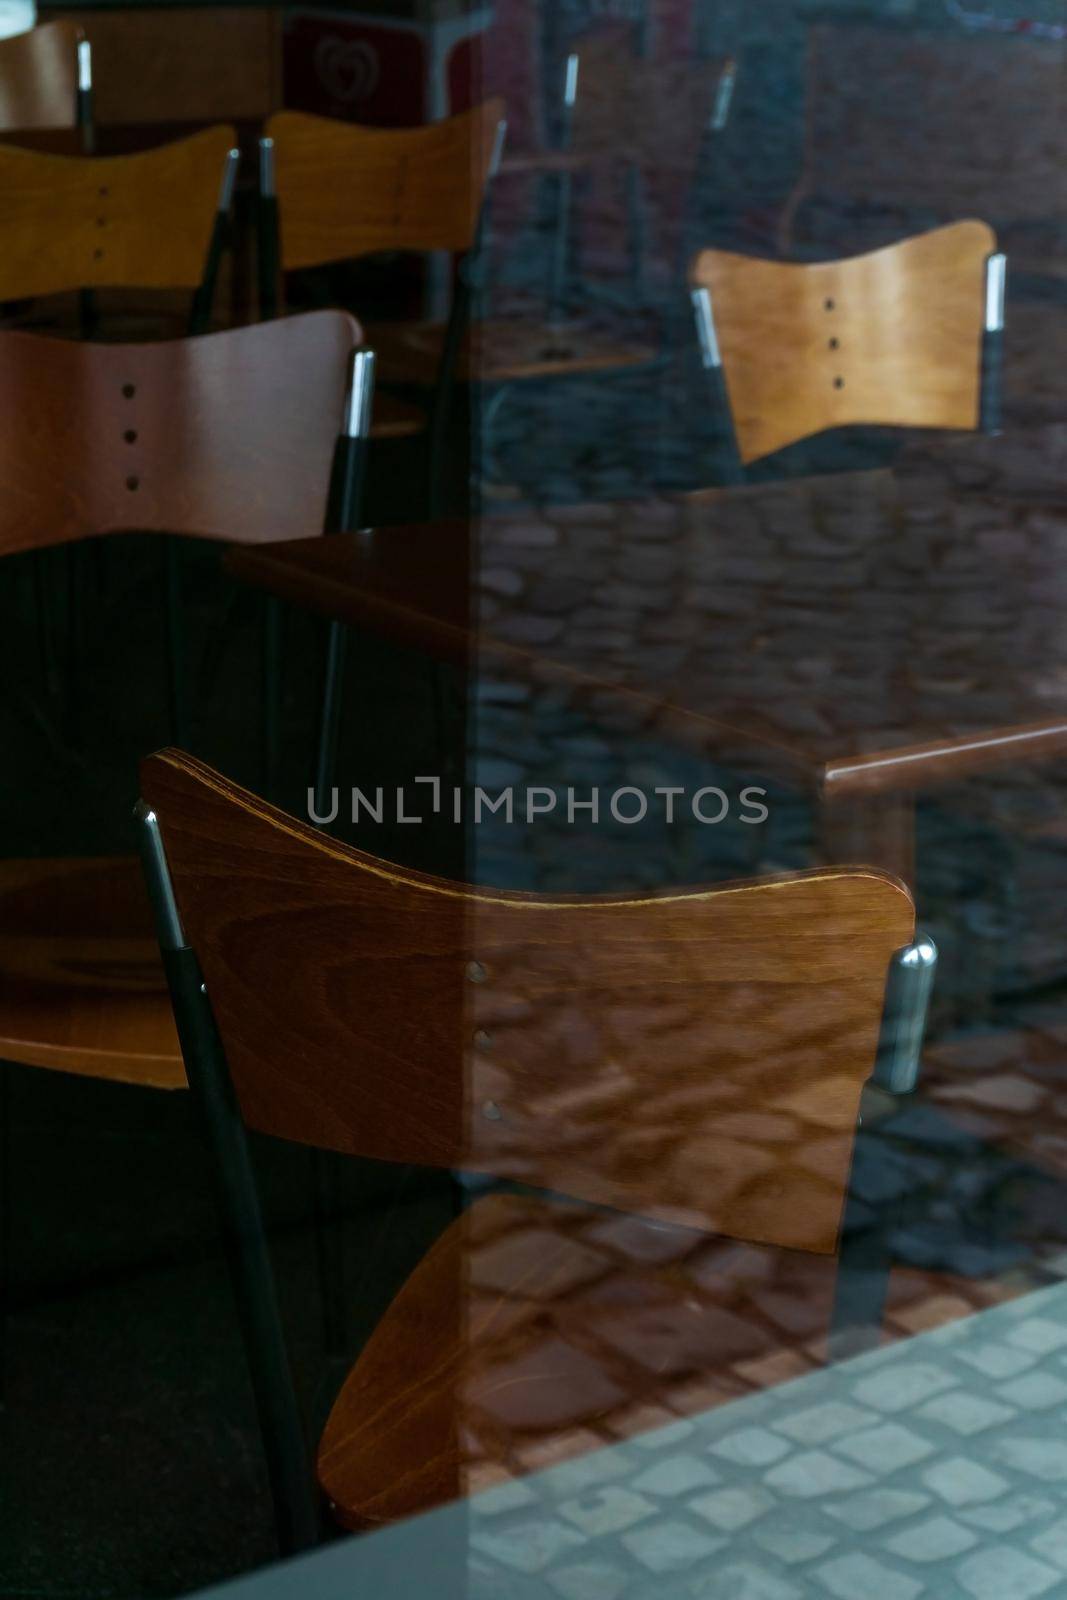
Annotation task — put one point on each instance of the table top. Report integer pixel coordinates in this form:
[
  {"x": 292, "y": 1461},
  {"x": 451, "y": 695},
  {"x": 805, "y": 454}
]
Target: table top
[
  {"x": 932, "y": 1467},
  {"x": 872, "y": 632}
]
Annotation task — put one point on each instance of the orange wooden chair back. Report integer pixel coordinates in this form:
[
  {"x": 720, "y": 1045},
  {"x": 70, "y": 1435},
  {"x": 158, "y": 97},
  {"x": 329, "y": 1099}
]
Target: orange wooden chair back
[
  {"x": 694, "y": 1056},
  {"x": 892, "y": 338},
  {"x": 346, "y": 191},
  {"x": 228, "y": 436},
  {"x": 140, "y": 221}
]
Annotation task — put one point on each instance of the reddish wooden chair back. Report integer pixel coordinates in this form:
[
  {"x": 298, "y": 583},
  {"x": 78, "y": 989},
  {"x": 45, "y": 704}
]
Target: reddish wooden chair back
[
  {"x": 695, "y": 1056},
  {"x": 228, "y": 436}
]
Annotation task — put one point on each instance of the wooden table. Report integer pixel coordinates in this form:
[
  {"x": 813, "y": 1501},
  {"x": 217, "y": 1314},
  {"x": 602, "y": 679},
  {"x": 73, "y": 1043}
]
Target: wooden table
[{"x": 870, "y": 635}]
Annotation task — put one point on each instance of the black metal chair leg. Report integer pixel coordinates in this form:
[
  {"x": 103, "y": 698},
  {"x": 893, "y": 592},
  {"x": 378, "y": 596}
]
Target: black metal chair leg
[
  {"x": 45, "y": 621},
  {"x": 865, "y": 1261},
  {"x": 330, "y": 725},
  {"x": 272, "y": 694},
  {"x": 296, "y": 1505},
  {"x": 5, "y": 1224},
  {"x": 329, "y": 1253},
  {"x": 176, "y": 643},
  {"x": 863, "y": 1267}
]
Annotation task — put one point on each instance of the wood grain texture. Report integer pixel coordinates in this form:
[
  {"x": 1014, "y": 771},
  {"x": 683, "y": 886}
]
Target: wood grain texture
[
  {"x": 229, "y": 436},
  {"x": 533, "y": 1326},
  {"x": 893, "y": 337},
  {"x": 182, "y": 64},
  {"x": 696, "y": 1057},
  {"x": 141, "y": 221},
  {"x": 902, "y": 127},
  {"x": 39, "y": 78},
  {"x": 346, "y": 191},
  {"x": 81, "y": 984}
]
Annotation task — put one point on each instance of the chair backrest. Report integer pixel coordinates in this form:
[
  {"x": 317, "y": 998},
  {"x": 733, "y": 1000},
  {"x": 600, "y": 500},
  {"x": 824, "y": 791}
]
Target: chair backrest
[
  {"x": 345, "y": 191},
  {"x": 228, "y": 436},
  {"x": 892, "y": 338},
  {"x": 928, "y": 128},
  {"x": 39, "y": 78},
  {"x": 142, "y": 221},
  {"x": 695, "y": 1056}
]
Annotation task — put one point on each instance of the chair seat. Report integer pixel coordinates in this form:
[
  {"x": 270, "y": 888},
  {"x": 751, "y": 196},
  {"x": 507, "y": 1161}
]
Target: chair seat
[
  {"x": 536, "y": 1329},
  {"x": 82, "y": 987},
  {"x": 502, "y": 350}
]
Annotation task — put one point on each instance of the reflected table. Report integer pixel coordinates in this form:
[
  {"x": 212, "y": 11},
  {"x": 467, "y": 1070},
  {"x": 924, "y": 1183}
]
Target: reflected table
[
  {"x": 935, "y": 1467},
  {"x": 871, "y": 635}
]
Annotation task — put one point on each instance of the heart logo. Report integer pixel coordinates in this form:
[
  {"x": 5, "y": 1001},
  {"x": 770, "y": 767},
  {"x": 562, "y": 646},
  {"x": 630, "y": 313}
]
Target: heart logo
[{"x": 348, "y": 69}]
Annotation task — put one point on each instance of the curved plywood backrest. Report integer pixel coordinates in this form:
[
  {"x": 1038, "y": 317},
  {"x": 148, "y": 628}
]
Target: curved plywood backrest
[
  {"x": 696, "y": 1056},
  {"x": 346, "y": 191},
  {"x": 141, "y": 221},
  {"x": 227, "y": 436},
  {"x": 39, "y": 78},
  {"x": 891, "y": 338}
]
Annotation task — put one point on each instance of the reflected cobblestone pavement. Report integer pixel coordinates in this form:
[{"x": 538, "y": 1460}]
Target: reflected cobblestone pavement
[{"x": 930, "y": 1468}]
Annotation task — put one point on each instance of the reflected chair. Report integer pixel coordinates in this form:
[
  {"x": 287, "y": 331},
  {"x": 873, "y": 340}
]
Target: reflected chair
[
  {"x": 887, "y": 155},
  {"x": 907, "y": 337},
  {"x": 157, "y": 219},
  {"x": 605, "y": 129},
  {"x": 46, "y": 88},
  {"x": 680, "y": 1064},
  {"x": 613, "y": 148},
  {"x": 331, "y": 191}
]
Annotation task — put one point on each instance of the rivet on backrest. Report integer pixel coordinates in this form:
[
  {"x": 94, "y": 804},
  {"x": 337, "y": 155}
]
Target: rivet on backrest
[
  {"x": 132, "y": 481},
  {"x": 482, "y": 1039},
  {"x": 476, "y": 973},
  {"x": 492, "y": 1112},
  {"x": 129, "y": 390}
]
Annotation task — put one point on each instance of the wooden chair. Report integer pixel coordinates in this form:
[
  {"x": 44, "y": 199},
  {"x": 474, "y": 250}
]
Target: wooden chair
[
  {"x": 229, "y": 437},
  {"x": 636, "y": 172},
  {"x": 694, "y": 1060},
  {"x": 908, "y": 336},
  {"x": 332, "y": 191},
  {"x": 157, "y": 219},
  {"x": 605, "y": 128},
  {"x": 46, "y": 87}
]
